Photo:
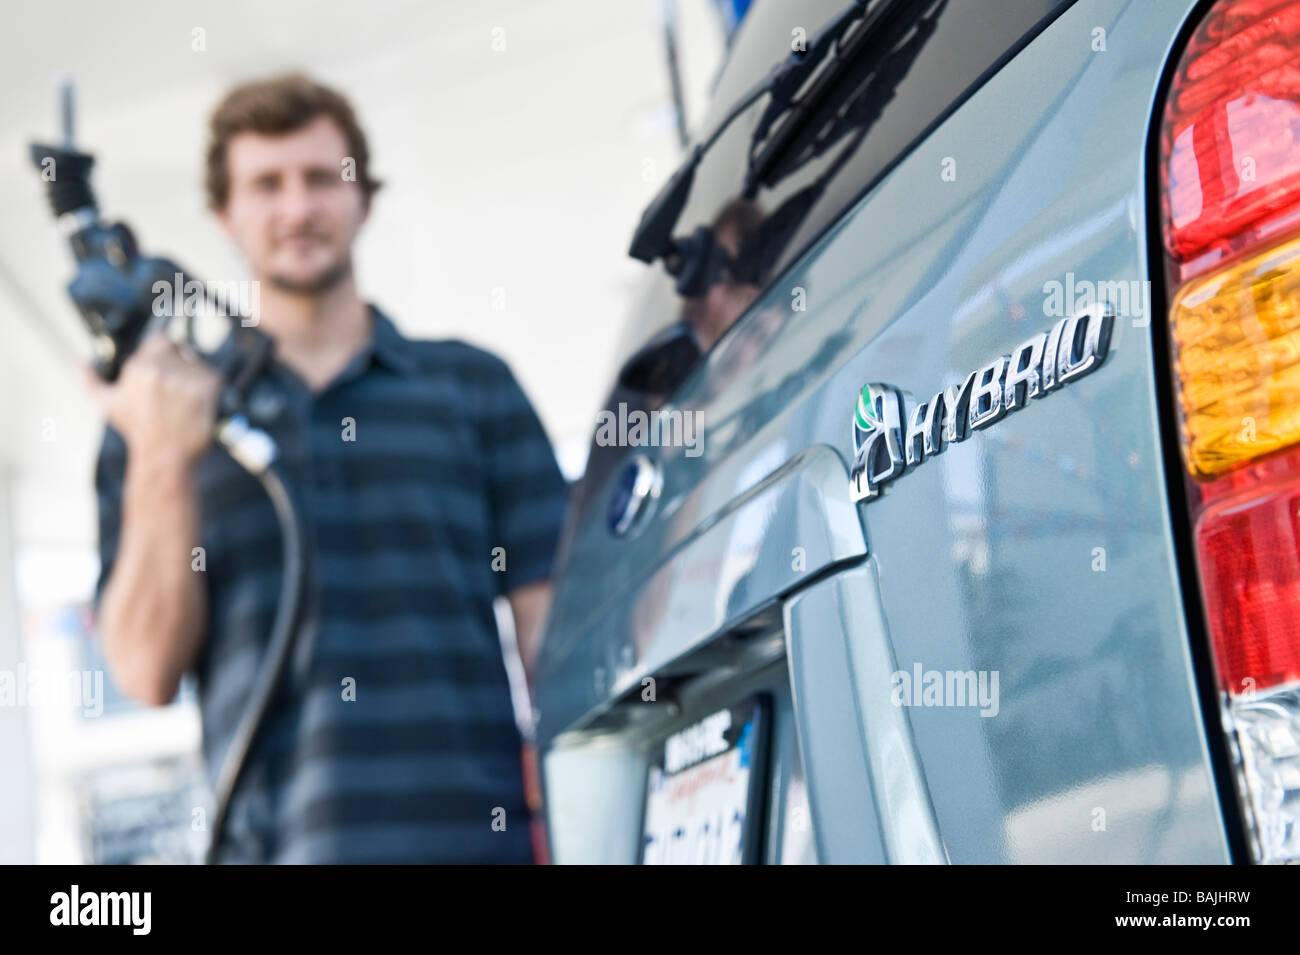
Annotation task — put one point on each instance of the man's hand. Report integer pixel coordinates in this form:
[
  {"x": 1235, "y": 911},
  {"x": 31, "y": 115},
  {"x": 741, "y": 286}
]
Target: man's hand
[
  {"x": 529, "y": 605},
  {"x": 154, "y": 607},
  {"x": 163, "y": 404}
]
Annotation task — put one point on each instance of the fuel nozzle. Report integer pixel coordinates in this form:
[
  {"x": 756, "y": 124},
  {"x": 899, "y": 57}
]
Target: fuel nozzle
[
  {"x": 697, "y": 262},
  {"x": 64, "y": 169}
]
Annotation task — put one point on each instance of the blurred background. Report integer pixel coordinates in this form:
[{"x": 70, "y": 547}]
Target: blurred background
[{"x": 518, "y": 141}]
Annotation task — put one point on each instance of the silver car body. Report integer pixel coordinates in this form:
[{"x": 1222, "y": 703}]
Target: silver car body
[{"x": 1039, "y": 549}]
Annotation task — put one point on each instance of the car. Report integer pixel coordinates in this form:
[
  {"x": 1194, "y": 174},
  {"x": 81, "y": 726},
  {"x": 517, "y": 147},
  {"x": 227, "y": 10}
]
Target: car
[{"x": 986, "y": 318}]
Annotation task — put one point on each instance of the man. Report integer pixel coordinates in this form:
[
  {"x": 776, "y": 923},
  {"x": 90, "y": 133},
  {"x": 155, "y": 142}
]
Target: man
[{"x": 427, "y": 487}]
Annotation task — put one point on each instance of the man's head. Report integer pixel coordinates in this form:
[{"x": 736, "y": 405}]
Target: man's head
[
  {"x": 288, "y": 175},
  {"x": 727, "y": 295}
]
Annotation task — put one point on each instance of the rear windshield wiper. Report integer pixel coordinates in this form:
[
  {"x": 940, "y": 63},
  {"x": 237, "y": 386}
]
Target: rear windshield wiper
[{"x": 653, "y": 237}]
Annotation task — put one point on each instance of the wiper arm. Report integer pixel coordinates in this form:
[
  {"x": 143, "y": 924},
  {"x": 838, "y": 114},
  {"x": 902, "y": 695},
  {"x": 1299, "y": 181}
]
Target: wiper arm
[{"x": 653, "y": 236}]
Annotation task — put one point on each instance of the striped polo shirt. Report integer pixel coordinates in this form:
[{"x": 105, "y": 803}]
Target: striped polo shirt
[{"x": 427, "y": 487}]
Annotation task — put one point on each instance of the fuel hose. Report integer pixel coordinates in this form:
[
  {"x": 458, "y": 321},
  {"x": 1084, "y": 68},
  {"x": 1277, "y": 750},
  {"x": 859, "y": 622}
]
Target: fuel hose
[{"x": 254, "y": 451}]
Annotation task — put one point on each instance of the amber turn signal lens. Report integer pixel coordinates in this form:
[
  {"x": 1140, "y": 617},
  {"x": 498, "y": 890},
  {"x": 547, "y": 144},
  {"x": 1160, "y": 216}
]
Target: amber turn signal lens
[{"x": 1237, "y": 358}]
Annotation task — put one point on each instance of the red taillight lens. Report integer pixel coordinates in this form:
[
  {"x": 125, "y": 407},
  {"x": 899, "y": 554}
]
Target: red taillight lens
[
  {"x": 1231, "y": 135},
  {"x": 1248, "y": 538},
  {"x": 1230, "y": 177}
]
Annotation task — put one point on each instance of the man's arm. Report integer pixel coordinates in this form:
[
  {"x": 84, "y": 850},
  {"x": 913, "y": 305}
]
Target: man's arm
[
  {"x": 529, "y": 604},
  {"x": 527, "y": 495},
  {"x": 153, "y": 607},
  {"x": 152, "y": 614}
]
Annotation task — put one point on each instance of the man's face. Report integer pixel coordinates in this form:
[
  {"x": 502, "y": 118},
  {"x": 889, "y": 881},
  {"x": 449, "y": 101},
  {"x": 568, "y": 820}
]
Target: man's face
[
  {"x": 289, "y": 209},
  {"x": 723, "y": 302}
]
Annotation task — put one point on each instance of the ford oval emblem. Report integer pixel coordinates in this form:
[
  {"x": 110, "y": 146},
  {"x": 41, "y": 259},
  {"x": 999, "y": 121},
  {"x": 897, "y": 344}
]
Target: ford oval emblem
[{"x": 635, "y": 490}]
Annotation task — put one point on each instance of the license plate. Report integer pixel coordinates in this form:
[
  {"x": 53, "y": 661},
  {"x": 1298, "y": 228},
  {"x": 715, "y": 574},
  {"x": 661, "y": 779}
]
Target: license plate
[{"x": 702, "y": 792}]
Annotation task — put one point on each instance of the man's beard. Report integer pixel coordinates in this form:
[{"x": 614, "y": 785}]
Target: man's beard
[{"x": 321, "y": 283}]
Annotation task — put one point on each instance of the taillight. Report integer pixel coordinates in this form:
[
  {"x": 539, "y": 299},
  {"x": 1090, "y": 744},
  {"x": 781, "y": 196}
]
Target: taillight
[{"x": 1230, "y": 184}]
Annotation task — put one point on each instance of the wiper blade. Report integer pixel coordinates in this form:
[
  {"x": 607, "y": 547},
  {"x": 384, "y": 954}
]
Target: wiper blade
[
  {"x": 864, "y": 50},
  {"x": 819, "y": 121},
  {"x": 653, "y": 236},
  {"x": 839, "y": 43}
]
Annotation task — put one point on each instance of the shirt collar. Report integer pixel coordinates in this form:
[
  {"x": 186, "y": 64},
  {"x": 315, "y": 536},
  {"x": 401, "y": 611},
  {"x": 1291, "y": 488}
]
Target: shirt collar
[{"x": 388, "y": 346}]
